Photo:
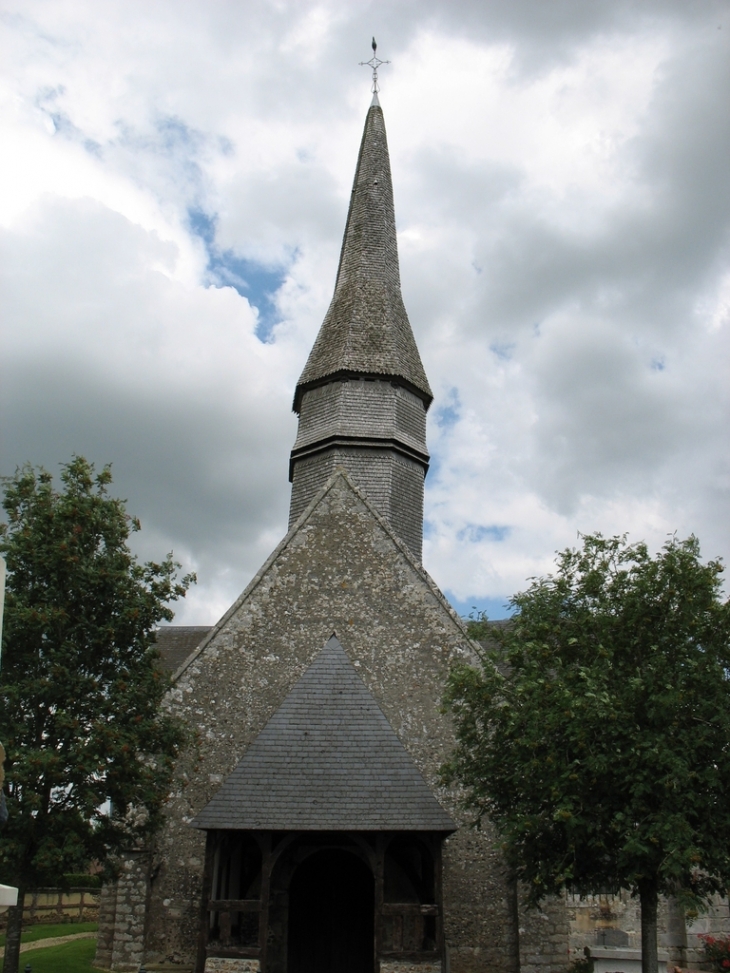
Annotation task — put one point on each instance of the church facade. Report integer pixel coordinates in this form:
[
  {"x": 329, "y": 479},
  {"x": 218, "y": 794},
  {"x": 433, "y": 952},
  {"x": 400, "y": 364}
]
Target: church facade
[{"x": 307, "y": 831}]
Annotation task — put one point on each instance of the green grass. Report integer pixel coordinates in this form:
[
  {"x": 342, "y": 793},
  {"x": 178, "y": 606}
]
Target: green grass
[
  {"x": 75, "y": 957},
  {"x": 32, "y": 934}
]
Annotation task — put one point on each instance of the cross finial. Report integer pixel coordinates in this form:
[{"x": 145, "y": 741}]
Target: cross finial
[{"x": 374, "y": 63}]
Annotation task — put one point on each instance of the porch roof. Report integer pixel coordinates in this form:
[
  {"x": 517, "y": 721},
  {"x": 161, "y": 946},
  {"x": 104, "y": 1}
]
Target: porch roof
[{"x": 327, "y": 760}]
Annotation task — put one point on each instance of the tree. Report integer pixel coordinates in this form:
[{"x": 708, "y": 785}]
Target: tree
[
  {"x": 90, "y": 751},
  {"x": 595, "y": 733}
]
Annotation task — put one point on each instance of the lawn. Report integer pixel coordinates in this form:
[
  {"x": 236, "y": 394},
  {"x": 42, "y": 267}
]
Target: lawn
[
  {"x": 32, "y": 934},
  {"x": 74, "y": 957}
]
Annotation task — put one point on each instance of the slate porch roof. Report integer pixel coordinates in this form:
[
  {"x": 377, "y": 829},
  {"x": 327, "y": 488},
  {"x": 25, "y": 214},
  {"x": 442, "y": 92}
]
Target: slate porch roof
[{"x": 327, "y": 760}]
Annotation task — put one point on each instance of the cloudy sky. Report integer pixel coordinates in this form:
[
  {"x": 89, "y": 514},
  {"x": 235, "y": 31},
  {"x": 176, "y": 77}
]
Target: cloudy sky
[{"x": 175, "y": 178}]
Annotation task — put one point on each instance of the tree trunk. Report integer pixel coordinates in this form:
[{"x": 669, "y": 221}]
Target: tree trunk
[
  {"x": 649, "y": 898},
  {"x": 12, "y": 938},
  {"x": 513, "y": 922}
]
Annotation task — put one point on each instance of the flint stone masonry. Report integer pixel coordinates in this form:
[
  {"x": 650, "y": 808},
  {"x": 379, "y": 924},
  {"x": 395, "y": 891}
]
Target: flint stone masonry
[
  {"x": 122, "y": 916},
  {"x": 392, "y": 483},
  {"x": 340, "y": 570},
  {"x": 216, "y": 964},
  {"x": 401, "y": 967}
]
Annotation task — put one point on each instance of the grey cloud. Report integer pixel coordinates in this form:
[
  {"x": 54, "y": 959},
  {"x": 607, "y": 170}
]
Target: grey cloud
[
  {"x": 268, "y": 210},
  {"x": 201, "y": 460},
  {"x": 606, "y": 421},
  {"x": 570, "y": 422},
  {"x": 191, "y": 469},
  {"x": 643, "y": 263}
]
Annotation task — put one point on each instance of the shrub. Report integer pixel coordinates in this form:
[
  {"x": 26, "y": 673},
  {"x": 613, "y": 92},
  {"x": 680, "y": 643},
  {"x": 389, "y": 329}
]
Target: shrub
[{"x": 717, "y": 951}]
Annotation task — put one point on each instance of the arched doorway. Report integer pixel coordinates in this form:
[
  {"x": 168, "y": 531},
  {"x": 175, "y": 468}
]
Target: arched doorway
[{"x": 331, "y": 915}]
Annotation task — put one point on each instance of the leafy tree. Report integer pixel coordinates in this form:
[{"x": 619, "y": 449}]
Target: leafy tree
[
  {"x": 90, "y": 751},
  {"x": 595, "y": 733}
]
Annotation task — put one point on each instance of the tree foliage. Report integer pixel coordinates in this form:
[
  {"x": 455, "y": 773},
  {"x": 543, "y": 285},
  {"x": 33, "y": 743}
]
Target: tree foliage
[
  {"x": 89, "y": 749},
  {"x": 595, "y": 733}
]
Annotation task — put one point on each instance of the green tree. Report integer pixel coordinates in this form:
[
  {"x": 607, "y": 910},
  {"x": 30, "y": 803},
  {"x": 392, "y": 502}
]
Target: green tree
[
  {"x": 595, "y": 733},
  {"x": 90, "y": 750}
]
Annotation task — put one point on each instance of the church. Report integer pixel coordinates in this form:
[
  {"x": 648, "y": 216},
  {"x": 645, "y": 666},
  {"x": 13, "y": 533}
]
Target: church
[{"x": 307, "y": 830}]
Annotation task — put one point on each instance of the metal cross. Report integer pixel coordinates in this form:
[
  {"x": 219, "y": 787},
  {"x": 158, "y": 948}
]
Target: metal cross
[{"x": 374, "y": 63}]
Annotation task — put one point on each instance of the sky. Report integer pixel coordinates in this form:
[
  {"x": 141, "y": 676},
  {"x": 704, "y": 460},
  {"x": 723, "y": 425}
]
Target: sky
[{"x": 174, "y": 184}]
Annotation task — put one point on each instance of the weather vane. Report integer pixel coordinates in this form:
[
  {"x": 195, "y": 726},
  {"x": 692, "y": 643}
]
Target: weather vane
[{"x": 374, "y": 63}]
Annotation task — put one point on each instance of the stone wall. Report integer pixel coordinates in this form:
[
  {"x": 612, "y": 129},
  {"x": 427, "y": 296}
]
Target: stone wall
[
  {"x": 714, "y": 922},
  {"x": 122, "y": 916},
  {"x": 613, "y": 922},
  {"x": 544, "y": 937}
]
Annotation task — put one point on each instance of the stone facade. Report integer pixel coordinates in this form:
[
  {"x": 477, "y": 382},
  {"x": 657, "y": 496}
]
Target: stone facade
[
  {"x": 122, "y": 916},
  {"x": 217, "y": 964},
  {"x": 340, "y": 569}
]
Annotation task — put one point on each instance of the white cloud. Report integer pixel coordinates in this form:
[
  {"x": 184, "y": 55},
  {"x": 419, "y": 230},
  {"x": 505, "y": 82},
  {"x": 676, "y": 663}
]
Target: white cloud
[{"x": 561, "y": 192}]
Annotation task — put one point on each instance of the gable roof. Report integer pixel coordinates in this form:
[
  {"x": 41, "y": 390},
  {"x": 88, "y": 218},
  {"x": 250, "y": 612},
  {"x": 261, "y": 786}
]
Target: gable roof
[
  {"x": 327, "y": 760},
  {"x": 176, "y": 643},
  {"x": 366, "y": 330}
]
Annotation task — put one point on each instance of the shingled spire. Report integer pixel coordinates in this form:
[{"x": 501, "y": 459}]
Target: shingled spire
[
  {"x": 366, "y": 330},
  {"x": 363, "y": 394}
]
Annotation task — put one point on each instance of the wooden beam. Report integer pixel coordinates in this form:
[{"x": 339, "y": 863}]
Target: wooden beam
[
  {"x": 204, "y": 922},
  {"x": 412, "y": 955},
  {"x": 410, "y": 909},
  {"x": 244, "y": 952},
  {"x": 224, "y": 924},
  {"x": 234, "y": 905},
  {"x": 379, "y": 873},
  {"x": 267, "y": 864},
  {"x": 438, "y": 892}
]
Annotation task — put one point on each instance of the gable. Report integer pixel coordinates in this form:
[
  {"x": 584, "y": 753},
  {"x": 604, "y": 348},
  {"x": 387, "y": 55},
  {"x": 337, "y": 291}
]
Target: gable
[{"x": 339, "y": 569}]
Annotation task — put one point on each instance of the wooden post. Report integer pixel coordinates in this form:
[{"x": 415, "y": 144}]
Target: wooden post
[
  {"x": 438, "y": 888},
  {"x": 210, "y": 847},
  {"x": 379, "y": 898},
  {"x": 266, "y": 867}
]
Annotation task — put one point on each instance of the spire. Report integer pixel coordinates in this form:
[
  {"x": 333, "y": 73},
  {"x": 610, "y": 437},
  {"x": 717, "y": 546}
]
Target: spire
[
  {"x": 366, "y": 331},
  {"x": 363, "y": 394}
]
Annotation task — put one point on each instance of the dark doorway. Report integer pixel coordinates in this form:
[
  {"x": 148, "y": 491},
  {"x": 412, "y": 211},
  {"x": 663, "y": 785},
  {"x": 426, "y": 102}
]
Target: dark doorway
[{"x": 331, "y": 915}]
